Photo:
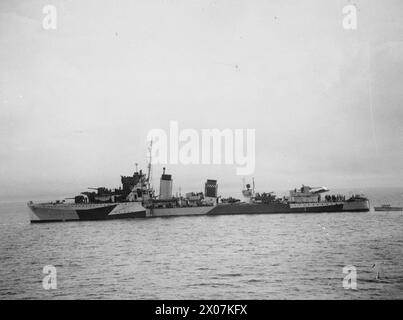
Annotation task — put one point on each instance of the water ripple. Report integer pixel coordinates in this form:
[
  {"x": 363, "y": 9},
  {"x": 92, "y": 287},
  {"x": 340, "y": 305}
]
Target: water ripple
[{"x": 226, "y": 257}]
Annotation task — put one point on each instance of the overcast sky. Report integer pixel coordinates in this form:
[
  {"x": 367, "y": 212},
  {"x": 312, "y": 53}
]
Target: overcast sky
[{"x": 76, "y": 103}]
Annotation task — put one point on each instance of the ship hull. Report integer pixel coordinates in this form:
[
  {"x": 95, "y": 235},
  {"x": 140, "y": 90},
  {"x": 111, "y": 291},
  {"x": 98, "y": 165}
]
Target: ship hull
[
  {"x": 275, "y": 208},
  {"x": 356, "y": 205},
  {"x": 48, "y": 212},
  {"x": 179, "y": 211}
]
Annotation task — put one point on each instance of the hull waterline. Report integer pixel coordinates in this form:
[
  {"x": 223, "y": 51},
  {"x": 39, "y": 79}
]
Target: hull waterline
[{"x": 276, "y": 208}]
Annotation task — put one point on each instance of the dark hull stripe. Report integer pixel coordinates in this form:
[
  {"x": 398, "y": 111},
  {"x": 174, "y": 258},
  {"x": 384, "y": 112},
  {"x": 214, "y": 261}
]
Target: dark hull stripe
[
  {"x": 132, "y": 215},
  {"x": 270, "y": 208},
  {"x": 95, "y": 214},
  {"x": 46, "y": 221}
]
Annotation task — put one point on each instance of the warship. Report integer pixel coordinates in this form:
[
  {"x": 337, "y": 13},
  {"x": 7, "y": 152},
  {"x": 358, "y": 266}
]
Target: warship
[
  {"x": 303, "y": 200},
  {"x": 136, "y": 198}
]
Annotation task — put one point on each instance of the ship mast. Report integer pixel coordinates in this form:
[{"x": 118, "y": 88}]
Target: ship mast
[
  {"x": 253, "y": 186},
  {"x": 149, "y": 165}
]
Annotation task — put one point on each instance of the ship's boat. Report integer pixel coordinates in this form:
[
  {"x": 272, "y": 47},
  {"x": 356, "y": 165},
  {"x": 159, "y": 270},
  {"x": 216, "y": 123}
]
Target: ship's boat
[{"x": 388, "y": 207}]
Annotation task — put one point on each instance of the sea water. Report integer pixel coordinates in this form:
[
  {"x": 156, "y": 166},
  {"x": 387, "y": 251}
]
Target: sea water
[{"x": 277, "y": 256}]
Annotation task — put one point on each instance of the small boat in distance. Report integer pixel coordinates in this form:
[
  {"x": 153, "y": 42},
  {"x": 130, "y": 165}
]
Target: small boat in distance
[{"x": 388, "y": 207}]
